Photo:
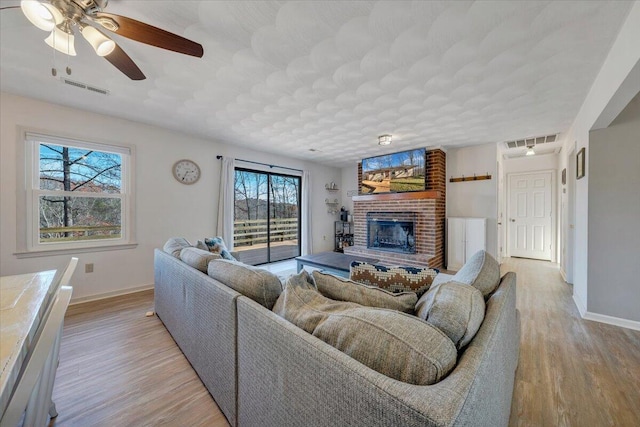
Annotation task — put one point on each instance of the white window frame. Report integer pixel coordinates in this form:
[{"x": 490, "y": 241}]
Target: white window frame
[{"x": 28, "y": 215}]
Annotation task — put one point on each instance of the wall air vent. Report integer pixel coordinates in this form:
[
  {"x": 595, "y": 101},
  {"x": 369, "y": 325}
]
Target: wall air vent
[
  {"x": 531, "y": 142},
  {"x": 84, "y": 86}
]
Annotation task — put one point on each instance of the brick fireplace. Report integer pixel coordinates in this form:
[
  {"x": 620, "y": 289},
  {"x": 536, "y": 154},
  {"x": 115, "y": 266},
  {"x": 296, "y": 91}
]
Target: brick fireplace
[{"x": 429, "y": 209}]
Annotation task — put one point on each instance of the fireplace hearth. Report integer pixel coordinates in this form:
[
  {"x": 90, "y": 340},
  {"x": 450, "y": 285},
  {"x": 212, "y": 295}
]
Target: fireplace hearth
[{"x": 391, "y": 231}]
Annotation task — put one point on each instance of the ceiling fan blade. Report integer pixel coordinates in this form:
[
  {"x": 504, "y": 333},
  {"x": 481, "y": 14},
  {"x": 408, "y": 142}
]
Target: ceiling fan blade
[
  {"x": 122, "y": 62},
  {"x": 145, "y": 33},
  {"x": 9, "y": 7}
]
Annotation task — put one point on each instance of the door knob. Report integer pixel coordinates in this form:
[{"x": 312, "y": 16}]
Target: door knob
[{"x": 513, "y": 220}]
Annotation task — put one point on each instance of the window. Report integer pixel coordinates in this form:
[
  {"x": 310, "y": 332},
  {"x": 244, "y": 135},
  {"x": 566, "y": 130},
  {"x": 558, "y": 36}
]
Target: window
[{"x": 78, "y": 194}]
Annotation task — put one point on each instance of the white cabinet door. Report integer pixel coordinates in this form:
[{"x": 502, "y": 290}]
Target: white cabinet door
[
  {"x": 475, "y": 236},
  {"x": 465, "y": 237},
  {"x": 455, "y": 243}
]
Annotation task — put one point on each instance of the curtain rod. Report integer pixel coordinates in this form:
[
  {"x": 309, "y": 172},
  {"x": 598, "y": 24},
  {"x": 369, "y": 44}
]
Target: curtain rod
[{"x": 264, "y": 164}]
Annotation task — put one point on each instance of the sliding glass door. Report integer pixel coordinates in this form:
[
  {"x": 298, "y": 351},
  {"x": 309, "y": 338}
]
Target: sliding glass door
[{"x": 267, "y": 216}]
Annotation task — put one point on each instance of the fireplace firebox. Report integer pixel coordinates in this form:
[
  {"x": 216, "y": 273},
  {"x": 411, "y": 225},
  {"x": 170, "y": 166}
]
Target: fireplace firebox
[{"x": 391, "y": 231}]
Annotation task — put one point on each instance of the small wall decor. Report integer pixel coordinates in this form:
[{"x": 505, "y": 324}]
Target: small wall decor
[
  {"x": 564, "y": 176},
  {"x": 580, "y": 168}
]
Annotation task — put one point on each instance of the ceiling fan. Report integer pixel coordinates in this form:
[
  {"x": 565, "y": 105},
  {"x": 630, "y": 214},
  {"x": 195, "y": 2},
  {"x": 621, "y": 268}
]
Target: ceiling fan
[{"x": 63, "y": 17}]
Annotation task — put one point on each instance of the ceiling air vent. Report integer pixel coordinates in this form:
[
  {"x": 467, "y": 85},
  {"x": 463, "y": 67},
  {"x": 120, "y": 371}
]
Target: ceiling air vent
[
  {"x": 84, "y": 86},
  {"x": 531, "y": 142}
]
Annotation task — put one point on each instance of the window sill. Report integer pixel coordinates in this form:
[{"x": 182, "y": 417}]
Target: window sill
[{"x": 71, "y": 251}]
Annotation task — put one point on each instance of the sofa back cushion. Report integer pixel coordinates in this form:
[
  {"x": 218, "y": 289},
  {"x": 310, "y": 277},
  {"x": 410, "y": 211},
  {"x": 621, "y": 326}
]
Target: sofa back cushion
[
  {"x": 301, "y": 304},
  {"x": 174, "y": 245},
  {"x": 395, "y": 344},
  {"x": 481, "y": 271},
  {"x": 341, "y": 289},
  {"x": 256, "y": 283},
  {"x": 394, "y": 279},
  {"x": 197, "y": 258},
  {"x": 457, "y": 309}
]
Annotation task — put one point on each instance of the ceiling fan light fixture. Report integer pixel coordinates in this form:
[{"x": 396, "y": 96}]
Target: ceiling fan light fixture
[
  {"x": 61, "y": 41},
  {"x": 102, "y": 44},
  {"x": 42, "y": 15},
  {"x": 384, "y": 140}
]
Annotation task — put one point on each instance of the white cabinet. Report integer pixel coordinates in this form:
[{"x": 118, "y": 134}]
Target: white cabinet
[{"x": 465, "y": 237}]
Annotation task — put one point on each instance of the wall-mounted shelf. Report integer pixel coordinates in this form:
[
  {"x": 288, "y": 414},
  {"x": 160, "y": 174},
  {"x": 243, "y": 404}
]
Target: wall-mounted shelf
[
  {"x": 331, "y": 187},
  {"x": 332, "y": 206},
  {"x": 470, "y": 178}
]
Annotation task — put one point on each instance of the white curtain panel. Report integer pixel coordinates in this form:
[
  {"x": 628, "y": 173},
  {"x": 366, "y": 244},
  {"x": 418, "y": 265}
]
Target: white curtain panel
[
  {"x": 307, "y": 241},
  {"x": 226, "y": 202}
]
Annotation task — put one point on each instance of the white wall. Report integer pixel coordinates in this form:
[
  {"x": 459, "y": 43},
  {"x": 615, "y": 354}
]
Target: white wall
[
  {"x": 474, "y": 198},
  {"x": 621, "y": 61},
  {"x": 164, "y": 207},
  {"x": 349, "y": 184},
  {"x": 614, "y": 216}
]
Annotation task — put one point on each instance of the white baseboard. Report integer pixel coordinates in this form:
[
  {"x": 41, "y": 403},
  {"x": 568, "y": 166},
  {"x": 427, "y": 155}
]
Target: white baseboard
[
  {"x": 616, "y": 321},
  {"x": 563, "y": 274},
  {"x": 581, "y": 308},
  {"x": 603, "y": 318},
  {"x": 111, "y": 294}
]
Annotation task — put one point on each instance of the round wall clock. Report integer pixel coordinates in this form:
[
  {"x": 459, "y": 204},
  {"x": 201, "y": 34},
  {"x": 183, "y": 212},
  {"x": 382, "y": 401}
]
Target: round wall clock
[{"x": 186, "y": 171}]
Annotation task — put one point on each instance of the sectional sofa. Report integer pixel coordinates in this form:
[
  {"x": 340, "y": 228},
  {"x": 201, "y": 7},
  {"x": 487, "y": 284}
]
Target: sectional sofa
[{"x": 263, "y": 370}]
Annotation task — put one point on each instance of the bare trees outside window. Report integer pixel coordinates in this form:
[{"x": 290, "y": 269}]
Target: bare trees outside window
[
  {"x": 267, "y": 216},
  {"x": 76, "y": 200}
]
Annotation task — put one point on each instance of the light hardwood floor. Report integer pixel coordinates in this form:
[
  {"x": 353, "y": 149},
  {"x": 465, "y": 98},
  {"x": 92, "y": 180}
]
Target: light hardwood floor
[{"x": 120, "y": 368}]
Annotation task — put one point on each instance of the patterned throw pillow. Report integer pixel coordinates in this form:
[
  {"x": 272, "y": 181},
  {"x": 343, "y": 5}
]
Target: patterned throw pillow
[
  {"x": 217, "y": 246},
  {"x": 394, "y": 279}
]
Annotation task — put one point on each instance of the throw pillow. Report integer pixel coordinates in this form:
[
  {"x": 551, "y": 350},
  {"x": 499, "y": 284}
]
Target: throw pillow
[
  {"x": 457, "y": 309},
  {"x": 217, "y": 246},
  {"x": 197, "y": 258},
  {"x": 256, "y": 283},
  {"x": 341, "y": 289},
  {"x": 201, "y": 245},
  {"x": 174, "y": 245},
  {"x": 481, "y": 271},
  {"x": 395, "y": 344},
  {"x": 394, "y": 279},
  {"x": 301, "y": 304}
]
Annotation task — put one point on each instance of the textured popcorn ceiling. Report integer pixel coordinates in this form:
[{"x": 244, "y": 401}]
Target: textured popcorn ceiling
[{"x": 287, "y": 77}]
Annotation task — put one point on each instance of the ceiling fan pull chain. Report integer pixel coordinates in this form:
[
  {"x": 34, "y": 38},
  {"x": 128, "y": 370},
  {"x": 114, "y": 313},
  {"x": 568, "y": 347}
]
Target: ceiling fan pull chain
[
  {"x": 54, "y": 72},
  {"x": 68, "y": 57}
]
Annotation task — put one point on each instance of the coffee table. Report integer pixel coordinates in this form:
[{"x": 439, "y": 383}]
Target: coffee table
[{"x": 334, "y": 262}]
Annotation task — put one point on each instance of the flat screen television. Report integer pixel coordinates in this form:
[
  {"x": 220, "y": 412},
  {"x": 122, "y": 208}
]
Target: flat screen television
[{"x": 394, "y": 173}]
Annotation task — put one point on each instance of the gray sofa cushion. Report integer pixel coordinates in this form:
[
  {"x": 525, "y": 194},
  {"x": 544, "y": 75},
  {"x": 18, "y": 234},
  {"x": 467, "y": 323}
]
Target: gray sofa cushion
[
  {"x": 197, "y": 258},
  {"x": 481, "y": 271},
  {"x": 341, "y": 289},
  {"x": 174, "y": 245},
  {"x": 301, "y": 304},
  {"x": 394, "y": 279},
  {"x": 457, "y": 309},
  {"x": 395, "y": 344},
  {"x": 256, "y": 283}
]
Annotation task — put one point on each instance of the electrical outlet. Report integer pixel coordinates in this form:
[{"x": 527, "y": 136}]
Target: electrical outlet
[{"x": 88, "y": 268}]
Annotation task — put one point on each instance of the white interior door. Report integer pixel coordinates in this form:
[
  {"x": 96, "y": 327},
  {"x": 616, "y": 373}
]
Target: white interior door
[{"x": 530, "y": 215}]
